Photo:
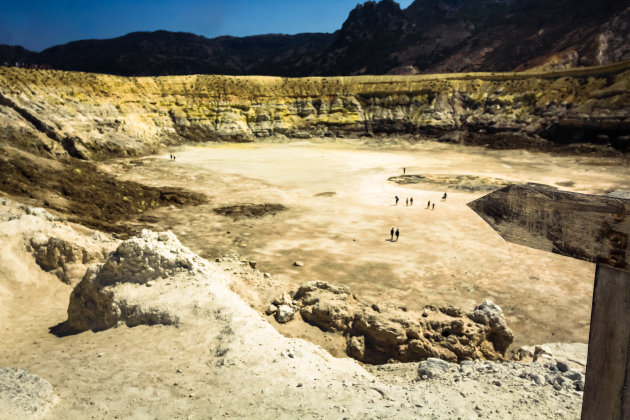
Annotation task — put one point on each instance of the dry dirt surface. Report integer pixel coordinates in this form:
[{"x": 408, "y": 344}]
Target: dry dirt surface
[
  {"x": 341, "y": 209},
  {"x": 220, "y": 359}
]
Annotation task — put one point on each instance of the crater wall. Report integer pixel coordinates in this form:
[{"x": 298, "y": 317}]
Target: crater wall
[{"x": 93, "y": 116}]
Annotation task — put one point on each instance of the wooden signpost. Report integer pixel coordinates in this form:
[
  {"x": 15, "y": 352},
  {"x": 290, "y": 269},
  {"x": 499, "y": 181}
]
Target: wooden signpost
[{"x": 590, "y": 228}]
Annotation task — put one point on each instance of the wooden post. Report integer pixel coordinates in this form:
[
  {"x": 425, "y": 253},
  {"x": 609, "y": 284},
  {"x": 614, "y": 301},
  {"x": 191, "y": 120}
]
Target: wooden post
[
  {"x": 607, "y": 386},
  {"x": 589, "y": 228}
]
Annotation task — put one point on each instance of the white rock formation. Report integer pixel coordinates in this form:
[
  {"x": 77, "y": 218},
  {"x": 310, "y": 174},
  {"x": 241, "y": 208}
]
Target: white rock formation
[
  {"x": 24, "y": 395},
  {"x": 222, "y": 359},
  {"x": 432, "y": 368},
  {"x": 57, "y": 247},
  {"x": 284, "y": 314},
  {"x": 115, "y": 292}
]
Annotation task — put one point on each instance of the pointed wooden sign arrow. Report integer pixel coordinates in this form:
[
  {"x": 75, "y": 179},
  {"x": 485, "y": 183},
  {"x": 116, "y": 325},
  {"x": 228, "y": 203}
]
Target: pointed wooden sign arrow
[
  {"x": 590, "y": 228},
  {"x": 586, "y": 227}
]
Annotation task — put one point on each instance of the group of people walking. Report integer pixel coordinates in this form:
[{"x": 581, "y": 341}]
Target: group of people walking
[{"x": 409, "y": 202}]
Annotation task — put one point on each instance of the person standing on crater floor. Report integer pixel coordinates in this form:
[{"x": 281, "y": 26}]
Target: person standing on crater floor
[
  {"x": 397, "y": 234},
  {"x": 391, "y": 235},
  {"x": 411, "y": 201},
  {"x": 396, "y": 198}
]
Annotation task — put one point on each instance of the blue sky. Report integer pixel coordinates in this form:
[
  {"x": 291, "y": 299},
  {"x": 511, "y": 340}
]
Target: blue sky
[{"x": 38, "y": 24}]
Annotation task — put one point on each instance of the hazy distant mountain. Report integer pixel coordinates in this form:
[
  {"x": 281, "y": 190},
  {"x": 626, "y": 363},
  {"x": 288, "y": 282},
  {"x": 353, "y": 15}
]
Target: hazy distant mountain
[
  {"x": 377, "y": 38},
  {"x": 164, "y": 53},
  {"x": 14, "y": 54}
]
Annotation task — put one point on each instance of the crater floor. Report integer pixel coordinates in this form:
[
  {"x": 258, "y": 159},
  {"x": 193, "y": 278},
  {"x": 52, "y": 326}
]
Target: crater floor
[{"x": 340, "y": 211}]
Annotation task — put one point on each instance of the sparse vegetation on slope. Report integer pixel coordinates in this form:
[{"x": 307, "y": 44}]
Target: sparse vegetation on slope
[{"x": 83, "y": 193}]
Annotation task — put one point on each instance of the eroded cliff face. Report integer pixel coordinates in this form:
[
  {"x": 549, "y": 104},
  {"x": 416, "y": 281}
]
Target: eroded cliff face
[{"x": 94, "y": 116}]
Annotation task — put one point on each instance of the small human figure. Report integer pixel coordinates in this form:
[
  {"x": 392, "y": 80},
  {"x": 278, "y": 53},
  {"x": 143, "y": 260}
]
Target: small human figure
[
  {"x": 411, "y": 201},
  {"x": 404, "y": 170},
  {"x": 391, "y": 235},
  {"x": 407, "y": 202},
  {"x": 433, "y": 208},
  {"x": 428, "y": 203},
  {"x": 396, "y": 198},
  {"x": 444, "y": 197},
  {"x": 173, "y": 157},
  {"x": 397, "y": 233}
]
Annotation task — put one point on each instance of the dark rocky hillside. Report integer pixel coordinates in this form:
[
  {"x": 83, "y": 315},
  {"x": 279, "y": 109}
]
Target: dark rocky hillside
[
  {"x": 166, "y": 53},
  {"x": 14, "y": 54},
  {"x": 377, "y": 38}
]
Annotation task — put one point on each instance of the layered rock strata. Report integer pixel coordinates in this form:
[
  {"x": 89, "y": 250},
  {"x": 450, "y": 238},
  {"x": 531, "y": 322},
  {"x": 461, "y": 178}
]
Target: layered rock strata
[
  {"x": 92, "y": 116},
  {"x": 379, "y": 333}
]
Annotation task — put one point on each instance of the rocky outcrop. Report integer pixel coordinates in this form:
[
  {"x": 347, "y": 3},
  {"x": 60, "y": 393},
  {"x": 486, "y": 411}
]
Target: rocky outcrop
[
  {"x": 118, "y": 290},
  {"x": 61, "y": 257},
  {"x": 56, "y": 247},
  {"x": 378, "y": 333},
  {"x": 24, "y": 395},
  {"x": 502, "y": 374},
  {"x": 565, "y": 356},
  {"x": 608, "y": 44},
  {"x": 104, "y": 116},
  {"x": 223, "y": 350}
]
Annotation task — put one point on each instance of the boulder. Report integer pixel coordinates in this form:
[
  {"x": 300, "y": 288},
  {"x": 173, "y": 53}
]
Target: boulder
[
  {"x": 379, "y": 333},
  {"x": 562, "y": 366},
  {"x": 108, "y": 294},
  {"x": 542, "y": 349},
  {"x": 564, "y": 357},
  {"x": 39, "y": 212},
  {"x": 57, "y": 248},
  {"x": 432, "y": 368},
  {"x": 490, "y": 314},
  {"x": 284, "y": 314},
  {"x": 285, "y": 299},
  {"x": 24, "y": 395},
  {"x": 355, "y": 347},
  {"x": 57, "y": 255}
]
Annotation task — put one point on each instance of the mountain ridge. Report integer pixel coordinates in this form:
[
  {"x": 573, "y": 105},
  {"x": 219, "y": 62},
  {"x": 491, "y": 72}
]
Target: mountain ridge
[{"x": 429, "y": 36}]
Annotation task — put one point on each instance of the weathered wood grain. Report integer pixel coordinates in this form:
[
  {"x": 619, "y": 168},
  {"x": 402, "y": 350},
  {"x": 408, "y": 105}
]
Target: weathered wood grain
[
  {"x": 587, "y": 227},
  {"x": 607, "y": 386}
]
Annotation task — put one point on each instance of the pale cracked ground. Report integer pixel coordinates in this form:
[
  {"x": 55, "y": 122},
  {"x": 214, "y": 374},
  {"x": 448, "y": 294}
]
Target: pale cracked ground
[{"x": 444, "y": 256}]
